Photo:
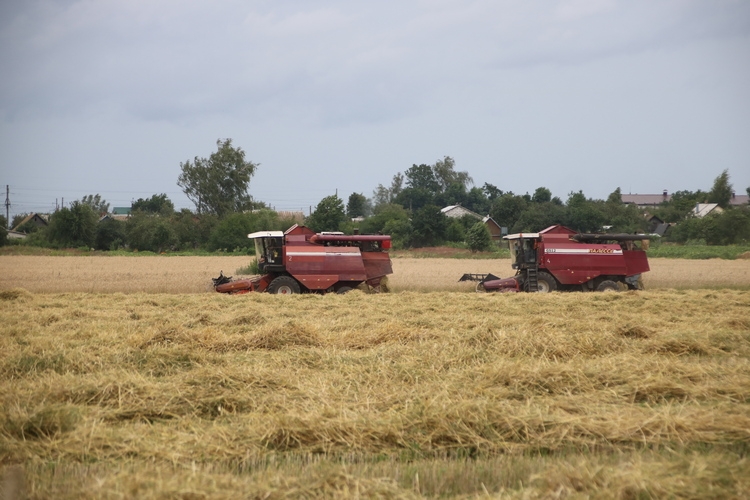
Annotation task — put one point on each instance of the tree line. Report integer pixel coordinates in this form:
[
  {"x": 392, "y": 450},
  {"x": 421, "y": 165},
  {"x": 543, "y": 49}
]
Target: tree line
[{"x": 409, "y": 209}]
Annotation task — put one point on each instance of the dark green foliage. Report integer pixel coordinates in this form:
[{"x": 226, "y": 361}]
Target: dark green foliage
[
  {"x": 3, "y": 235},
  {"x": 478, "y": 238},
  {"x": 506, "y": 209},
  {"x": 721, "y": 192},
  {"x": 584, "y": 215},
  {"x": 157, "y": 204},
  {"x": 230, "y": 233},
  {"x": 110, "y": 234},
  {"x": 328, "y": 215},
  {"x": 192, "y": 231},
  {"x": 731, "y": 227},
  {"x": 97, "y": 204},
  {"x": 428, "y": 226},
  {"x": 74, "y": 226},
  {"x": 538, "y": 216},
  {"x": 383, "y": 214},
  {"x": 218, "y": 185},
  {"x": 357, "y": 206},
  {"x": 455, "y": 231},
  {"x": 150, "y": 232},
  {"x": 542, "y": 195},
  {"x": 680, "y": 206}
]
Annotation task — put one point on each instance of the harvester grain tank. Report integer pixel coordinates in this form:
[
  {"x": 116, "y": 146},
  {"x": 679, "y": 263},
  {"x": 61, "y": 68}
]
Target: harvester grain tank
[
  {"x": 559, "y": 258},
  {"x": 300, "y": 260}
]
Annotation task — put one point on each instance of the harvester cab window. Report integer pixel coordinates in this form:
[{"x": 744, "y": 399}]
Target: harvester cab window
[
  {"x": 523, "y": 251},
  {"x": 268, "y": 252}
]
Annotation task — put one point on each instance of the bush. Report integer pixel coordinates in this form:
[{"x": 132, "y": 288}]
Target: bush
[{"x": 478, "y": 238}]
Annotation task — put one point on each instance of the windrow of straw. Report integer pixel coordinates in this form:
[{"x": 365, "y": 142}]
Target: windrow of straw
[{"x": 385, "y": 395}]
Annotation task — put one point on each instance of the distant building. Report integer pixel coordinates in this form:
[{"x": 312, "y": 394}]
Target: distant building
[
  {"x": 119, "y": 213},
  {"x": 34, "y": 219},
  {"x": 457, "y": 211},
  {"x": 654, "y": 200},
  {"x": 703, "y": 209}
]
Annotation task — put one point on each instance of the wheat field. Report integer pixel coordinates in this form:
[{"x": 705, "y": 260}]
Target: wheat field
[{"x": 166, "y": 274}]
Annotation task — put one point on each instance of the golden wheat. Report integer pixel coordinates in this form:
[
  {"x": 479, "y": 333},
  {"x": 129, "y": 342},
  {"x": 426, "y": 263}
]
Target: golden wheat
[{"x": 161, "y": 274}]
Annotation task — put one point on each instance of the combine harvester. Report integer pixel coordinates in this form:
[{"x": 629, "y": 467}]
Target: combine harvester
[
  {"x": 299, "y": 260},
  {"x": 559, "y": 258}
]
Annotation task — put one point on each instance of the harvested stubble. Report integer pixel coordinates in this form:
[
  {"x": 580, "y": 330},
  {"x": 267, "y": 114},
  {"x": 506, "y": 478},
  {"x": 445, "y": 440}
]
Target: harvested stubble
[{"x": 389, "y": 396}]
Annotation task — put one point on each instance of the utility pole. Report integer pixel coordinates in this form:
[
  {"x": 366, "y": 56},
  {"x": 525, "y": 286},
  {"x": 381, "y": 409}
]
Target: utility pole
[{"x": 7, "y": 206}]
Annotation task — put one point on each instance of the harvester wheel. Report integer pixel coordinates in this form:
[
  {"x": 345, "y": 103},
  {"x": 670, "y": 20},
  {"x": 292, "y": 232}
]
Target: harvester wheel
[
  {"x": 546, "y": 283},
  {"x": 608, "y": 286},
  {"x": 284, "y": 285},
  {"x": 344, "y": 289}
]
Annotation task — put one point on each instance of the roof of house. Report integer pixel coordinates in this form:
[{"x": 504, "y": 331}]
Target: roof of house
[
  {"x": 657, "y": 199},
  {"x": 703, "y": 209},
  {"x": 121, "y": 210},
  {"x": 458, "y": 211},
  {"x": 645, "y": 199},
  {"x": 35, "y": 217}
]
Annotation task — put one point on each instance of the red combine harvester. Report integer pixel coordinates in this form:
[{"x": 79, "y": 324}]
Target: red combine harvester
[
  {"x": 300, "y": 260},
  {"x": 559, "y": 258}
]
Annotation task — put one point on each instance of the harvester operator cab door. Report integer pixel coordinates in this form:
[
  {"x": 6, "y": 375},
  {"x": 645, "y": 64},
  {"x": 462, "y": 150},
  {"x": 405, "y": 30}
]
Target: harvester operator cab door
[
  {"x": 269, "y": 250},
  {"x": 523, "y": 252}
]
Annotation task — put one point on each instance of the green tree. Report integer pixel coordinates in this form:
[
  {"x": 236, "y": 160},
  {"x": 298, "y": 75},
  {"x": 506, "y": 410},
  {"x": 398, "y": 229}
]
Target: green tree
[
  {"x": 507, "y": 209},
  {"x": 74, "y": 226},
  {"x": 157, "y": 204},
  {"x": 150, "y": 233},
  {"x": 218, "y": 185},
  {"x": 583, "y": 214},
  {"x": 731, "y": 227},
  {"x": 328, "y": 215},
  {"x": 377, "y": 222},
  {"x": 721, "y": 192},
  {"x": 428, "y": 226},
  {"x": 478, "y": 238},
  {"x": 110, "y": 234},
  {"x": 193, "y": 231},
  {"x": 357, "y": 206},
  {"x": 446, "y": 175},
  {"x": 97, "y": 203},
  {"x": 541, "y": 195}
]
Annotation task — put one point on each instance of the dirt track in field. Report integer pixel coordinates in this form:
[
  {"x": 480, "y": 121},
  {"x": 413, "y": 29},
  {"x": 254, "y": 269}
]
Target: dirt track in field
[{"x": 165, "y": 274}]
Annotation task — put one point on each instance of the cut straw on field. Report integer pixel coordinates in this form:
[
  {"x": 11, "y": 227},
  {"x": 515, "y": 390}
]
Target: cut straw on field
[{"x": 402, "y": 395}]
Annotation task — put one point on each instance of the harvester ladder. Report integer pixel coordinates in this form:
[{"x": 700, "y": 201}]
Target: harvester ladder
[{"x": 532, "y": 281}]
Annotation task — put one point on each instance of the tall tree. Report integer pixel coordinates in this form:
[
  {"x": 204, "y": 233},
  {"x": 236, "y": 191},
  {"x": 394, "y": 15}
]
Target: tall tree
[
  {"x": 328, "y": 215},
  {"x": 721, "y": 192},
  {"x": 219, "y": 184},
  {"x": 157, "y": 204},
  {"x": 74, "y": 226},
  {"x": 97, "y": 203},
  {"x": 357, "y": 206},
  {"x": 446, "y": 175}
]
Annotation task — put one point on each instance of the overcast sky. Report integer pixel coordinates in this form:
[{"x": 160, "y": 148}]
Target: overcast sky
[{"x": 333, "y": 96}]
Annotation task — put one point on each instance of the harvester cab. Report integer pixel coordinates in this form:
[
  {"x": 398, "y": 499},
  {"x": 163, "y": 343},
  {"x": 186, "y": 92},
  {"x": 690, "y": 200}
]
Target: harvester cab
[{"x": 268, "y": 250}]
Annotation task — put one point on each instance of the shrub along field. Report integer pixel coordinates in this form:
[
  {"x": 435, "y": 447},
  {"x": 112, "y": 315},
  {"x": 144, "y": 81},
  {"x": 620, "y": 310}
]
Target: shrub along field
[{"x": 401, "y": 395}]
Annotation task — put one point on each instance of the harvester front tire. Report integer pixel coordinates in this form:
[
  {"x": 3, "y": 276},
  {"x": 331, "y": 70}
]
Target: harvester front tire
[
  {"x": 343, "y": 290},
  {"x": 608, "y": 286},
  {"x": 546, "y": 283},
  {"x": 284, "y": 285}
]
